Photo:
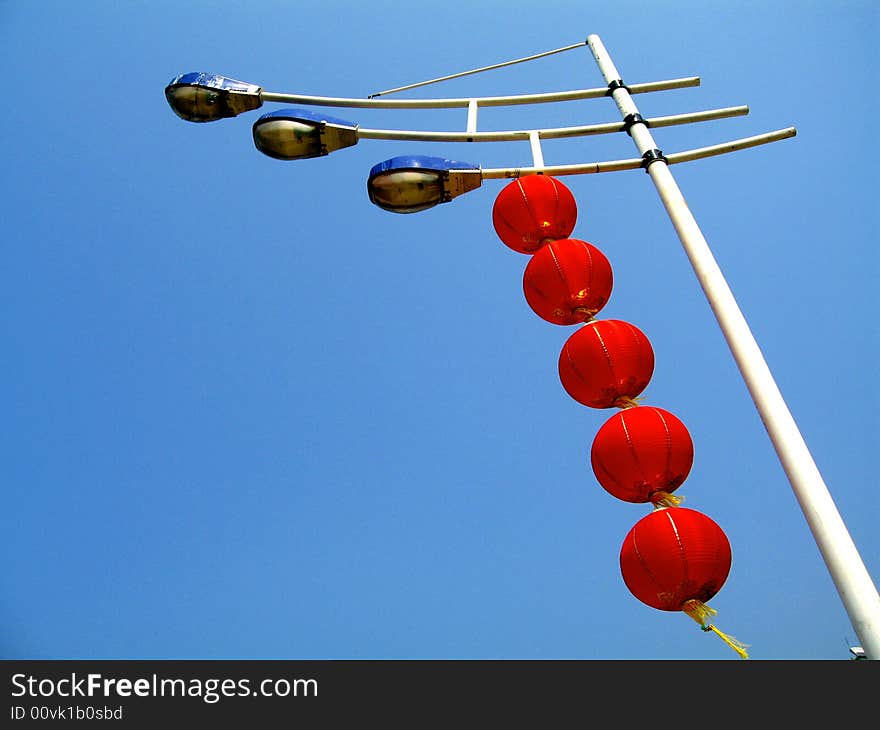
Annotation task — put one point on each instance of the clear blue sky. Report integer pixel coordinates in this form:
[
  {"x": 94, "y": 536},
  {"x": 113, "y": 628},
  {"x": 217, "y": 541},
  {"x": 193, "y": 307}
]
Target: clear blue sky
[{"x": 248, "y": 414}]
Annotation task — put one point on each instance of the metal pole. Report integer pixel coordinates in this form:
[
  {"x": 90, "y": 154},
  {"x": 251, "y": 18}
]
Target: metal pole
[{"x": 851, "y": 578}]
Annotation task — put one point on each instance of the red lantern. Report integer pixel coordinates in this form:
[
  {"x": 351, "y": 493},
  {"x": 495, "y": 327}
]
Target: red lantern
[
  {"x": 642, "y": 455},
  {"x": 677, "y": 559},
  {"x": 606, "y": 363},
  {"x": 567, "y": 281},
  {"x": 533, "y": 210},
  {"x": 675, "y": 555}
]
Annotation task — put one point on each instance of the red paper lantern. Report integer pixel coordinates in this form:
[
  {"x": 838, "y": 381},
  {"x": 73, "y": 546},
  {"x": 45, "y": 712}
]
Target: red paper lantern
[
  {"x": 675, "y": 555},
  {"x": 533, "y": 210},
  {"x": 642, "y": 454},
  {"x": 606, "y": 363},
  {"x": 567, "y": 281},
  {"x": 677, "y": 559}
]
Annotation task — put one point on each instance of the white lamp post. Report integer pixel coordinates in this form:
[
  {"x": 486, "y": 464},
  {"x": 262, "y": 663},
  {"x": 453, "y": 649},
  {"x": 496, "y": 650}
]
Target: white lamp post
[{"x": 850, "y": 576}]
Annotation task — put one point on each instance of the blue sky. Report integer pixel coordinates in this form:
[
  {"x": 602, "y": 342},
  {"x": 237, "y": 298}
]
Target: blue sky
[{"x": 250, "y": 415}]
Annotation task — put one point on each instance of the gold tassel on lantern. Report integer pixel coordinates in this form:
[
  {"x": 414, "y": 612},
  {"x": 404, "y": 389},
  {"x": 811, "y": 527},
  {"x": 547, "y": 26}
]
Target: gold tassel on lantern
[
  {"x": 700, "y": 613},
  {"x": 588, "y": 314},
  {"x": 661, "y": 499}
]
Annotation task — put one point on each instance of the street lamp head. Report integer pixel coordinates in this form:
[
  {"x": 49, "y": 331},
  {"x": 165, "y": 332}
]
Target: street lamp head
[
  {"x": 409, "y": 184},
  {"x": 204, "y": 97},
  {"x": 297, "y": 134}
]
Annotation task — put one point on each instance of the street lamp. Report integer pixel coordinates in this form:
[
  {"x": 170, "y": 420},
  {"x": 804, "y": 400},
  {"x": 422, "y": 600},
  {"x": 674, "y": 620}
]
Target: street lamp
[
  {"x": 300, "y": 133},
  {"x": 205, "y": 97},
  {"x": 411, "y": 184},
  {"x": 408, "y": 184}
]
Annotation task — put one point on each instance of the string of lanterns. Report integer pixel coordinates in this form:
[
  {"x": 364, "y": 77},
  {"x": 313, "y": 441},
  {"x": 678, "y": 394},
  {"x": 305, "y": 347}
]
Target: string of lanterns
[{"x": 674, "y": 558}]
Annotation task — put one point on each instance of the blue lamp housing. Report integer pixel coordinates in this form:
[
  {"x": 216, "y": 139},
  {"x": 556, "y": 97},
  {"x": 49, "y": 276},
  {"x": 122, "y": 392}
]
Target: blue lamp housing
[
  {"x": 408, "y": 184},
  {"x": 204, "y": 97},
  {"x": 296, "y": 134}
]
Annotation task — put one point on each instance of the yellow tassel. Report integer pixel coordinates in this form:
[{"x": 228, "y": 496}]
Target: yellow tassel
[
  {"x": 732, "y": 642},
  {"x": 626, "y": 402},
  {"x": 700, "y": 612},
  {"x": 588, "y": 314},
  {"x": 665, "y": 499}
]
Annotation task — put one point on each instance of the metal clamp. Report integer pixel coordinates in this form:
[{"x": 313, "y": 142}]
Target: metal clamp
[
  {"x": 652, "y": 156},
  {"x": 631, "y": 119},
  {"x": 615, "y": 85}
]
